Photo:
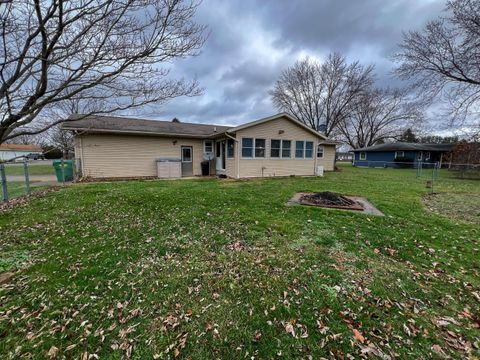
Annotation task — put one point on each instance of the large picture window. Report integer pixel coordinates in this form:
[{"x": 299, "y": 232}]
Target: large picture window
[
  {"x": 275, "y": 148},
  {"x": 259, "y": 148},
  {"x": 247, "y": 147}
]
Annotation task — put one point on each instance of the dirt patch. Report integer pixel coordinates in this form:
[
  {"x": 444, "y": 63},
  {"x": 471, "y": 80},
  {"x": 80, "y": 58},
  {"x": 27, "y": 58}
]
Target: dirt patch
[
  {"x": 6, "y": 276},
  {"x": 456, "y": 206},
  {"x": 331, "y": 200}
]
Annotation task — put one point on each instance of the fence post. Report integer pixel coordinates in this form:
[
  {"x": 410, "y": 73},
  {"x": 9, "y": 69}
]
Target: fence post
[
  {"x": 3, "y": 178},
  {"x": 27, "y": 178},
  {"x": 63, "y": 172}
]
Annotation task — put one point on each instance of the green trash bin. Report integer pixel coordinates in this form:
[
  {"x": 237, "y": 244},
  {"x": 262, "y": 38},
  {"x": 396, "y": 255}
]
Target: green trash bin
[{"x": 67, "y": 169}]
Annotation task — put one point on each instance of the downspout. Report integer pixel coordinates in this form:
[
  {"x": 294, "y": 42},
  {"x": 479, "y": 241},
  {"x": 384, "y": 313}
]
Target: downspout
[
  {"x": 82, "y": 164},
  {"x": 237, "y": 158}
]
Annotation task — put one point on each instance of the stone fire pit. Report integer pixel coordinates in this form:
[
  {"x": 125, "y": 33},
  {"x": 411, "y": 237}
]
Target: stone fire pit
[{"x": 327, "y": 199}]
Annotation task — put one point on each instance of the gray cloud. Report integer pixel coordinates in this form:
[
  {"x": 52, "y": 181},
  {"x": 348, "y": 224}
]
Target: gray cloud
[{"x": 251, "y": 42}]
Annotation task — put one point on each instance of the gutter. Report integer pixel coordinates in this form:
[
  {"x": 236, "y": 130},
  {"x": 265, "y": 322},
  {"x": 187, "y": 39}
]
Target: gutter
[{"x": 134, "y": 132}]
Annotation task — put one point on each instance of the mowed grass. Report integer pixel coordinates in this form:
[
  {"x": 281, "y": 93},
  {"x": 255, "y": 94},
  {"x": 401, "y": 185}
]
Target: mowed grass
[
  {"x": 18, "y": 188},
  {"x": 33, "y": 169},
  {"x": 207, "y": 269}
]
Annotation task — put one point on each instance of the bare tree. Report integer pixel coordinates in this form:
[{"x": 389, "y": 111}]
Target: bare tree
[
  {"x": 378, "y": 115},
  {"x": 111, "y": 52},
  {"x": 443, "y": 60},
  {"x": 320, "y": 94}
]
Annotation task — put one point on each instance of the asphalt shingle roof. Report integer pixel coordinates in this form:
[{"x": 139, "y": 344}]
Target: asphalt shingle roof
[
  {"x": 122, "y": 124},
  {"x": 401, "y": 146}
]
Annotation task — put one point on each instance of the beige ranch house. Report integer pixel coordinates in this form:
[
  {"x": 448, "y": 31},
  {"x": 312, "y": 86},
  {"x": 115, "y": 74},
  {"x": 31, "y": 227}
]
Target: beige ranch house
[{"x": 279, "y": 145}]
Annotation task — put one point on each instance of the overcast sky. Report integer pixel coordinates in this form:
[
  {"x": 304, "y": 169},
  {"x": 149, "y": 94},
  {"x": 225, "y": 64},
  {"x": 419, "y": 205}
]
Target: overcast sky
[{"x": 251, "y": 42}]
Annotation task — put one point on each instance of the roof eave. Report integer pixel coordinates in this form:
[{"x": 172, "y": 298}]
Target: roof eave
[{"x": 134, "y": 132}]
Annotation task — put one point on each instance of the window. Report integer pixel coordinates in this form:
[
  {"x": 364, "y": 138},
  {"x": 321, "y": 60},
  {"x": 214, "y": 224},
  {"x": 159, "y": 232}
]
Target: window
[
  {"x": 275, "y": 148},
  {"x": 299, "y": 149},
  {"x": 230, "y": 148},
  {"x": 308, "y": 149},
  {"x": 247, "y": 147},
  {"x": 259, "y": 148},
  {"x": 186, "y": 154},
  {"x": 286, "y": 148},
  {"x": 401, "y": 154},
  {"x": 427, "y": 155},
  {"x": 363, "y": 156},
  {"x": 419, "y": 156},
  {"x": 320, "y": 152},
  {"x": 208, "y": 146}
]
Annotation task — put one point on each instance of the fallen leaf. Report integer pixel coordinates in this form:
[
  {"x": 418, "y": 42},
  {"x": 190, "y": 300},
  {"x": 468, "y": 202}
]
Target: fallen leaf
[
  {"x": 358, "y": 336},
  {"x": 53, "y": 352}
]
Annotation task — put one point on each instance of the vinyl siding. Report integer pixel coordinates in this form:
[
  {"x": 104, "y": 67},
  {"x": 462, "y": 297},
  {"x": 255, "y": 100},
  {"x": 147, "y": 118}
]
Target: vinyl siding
[
  {"x": 105, "y": 156},
  {"x": 281, "y": 129}
]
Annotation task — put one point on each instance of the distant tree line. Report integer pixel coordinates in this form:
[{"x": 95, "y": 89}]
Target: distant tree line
[{"x": 410, "y": 137}]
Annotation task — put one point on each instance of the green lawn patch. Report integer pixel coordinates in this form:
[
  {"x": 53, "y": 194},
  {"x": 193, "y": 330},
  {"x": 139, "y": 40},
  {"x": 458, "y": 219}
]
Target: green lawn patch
[
  {"x": 33, "y": 169},
  {"x": 207, "y": 269}
]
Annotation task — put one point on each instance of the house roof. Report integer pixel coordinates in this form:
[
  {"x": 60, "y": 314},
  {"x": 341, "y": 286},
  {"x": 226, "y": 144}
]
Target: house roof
[
  {"x": 20, "y": 147},
  {"x": 402, "y": 146},
  {"x": 270, "y": 118},
  {"x": 115, "y": 124},
  {"x": 97, "y": 123}
]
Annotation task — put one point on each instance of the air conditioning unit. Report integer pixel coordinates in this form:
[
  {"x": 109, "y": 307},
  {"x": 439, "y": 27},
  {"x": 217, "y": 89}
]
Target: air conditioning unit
[{"x": 319, "y": 170}]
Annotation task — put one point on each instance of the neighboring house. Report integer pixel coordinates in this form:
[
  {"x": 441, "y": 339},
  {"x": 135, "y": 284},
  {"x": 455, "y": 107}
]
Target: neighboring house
[
  {"x": 12, "y": 151},
  {"x": 279, "y": 145},
  {"x": 400, "y": 154}
]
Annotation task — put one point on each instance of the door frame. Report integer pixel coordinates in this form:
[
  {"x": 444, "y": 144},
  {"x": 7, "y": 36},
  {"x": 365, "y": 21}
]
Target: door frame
[
  {"x": 220, "y": 161},
  {"x": 186, "y": 162}
]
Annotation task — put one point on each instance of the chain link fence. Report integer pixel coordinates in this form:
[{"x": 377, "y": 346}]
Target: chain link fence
[
  {"x": 22, "y": 177},
  {"x": 430, "y": 173}
]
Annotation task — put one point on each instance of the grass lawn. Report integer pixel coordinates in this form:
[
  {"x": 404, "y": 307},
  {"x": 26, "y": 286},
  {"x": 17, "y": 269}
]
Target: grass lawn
[
  {"x": 33, "y": 169},
  {"x": 17, "y": 188},
  {"x": 207, "y": 269}
]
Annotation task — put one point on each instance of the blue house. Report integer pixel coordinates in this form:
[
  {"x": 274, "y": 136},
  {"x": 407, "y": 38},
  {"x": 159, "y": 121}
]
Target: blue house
[{"x": 400, "y": 155}]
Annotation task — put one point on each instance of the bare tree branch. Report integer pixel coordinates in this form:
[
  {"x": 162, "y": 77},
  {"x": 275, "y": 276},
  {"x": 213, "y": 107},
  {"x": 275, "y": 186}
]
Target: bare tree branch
[
  {"x": 320, "y": 95},
  {"x": 114, "y": 52},
  {"x": 443, "y": 61}
]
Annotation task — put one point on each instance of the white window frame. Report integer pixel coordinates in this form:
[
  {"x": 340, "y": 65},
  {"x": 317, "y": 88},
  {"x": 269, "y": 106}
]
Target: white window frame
[
  {"x": 286, "y": 157},
  {"x": 279, "y": 149},
  {"x": 427, "y": 155},
  {"x": 363, "y": 156},
  {"x": 190, "y": 148},
  {"x": 231, "y": 141},
  {"x": 323, "y": 151},
  {"x": 303, "y": 149},
  {"x": 264, "y": 148},
  {"x": 420, "y": 156},
  {"x": 205, "y": 146},
  {"x": 252, "y": 147},
  {"x": 313, "y": 149},
  {"x": 399, "y": 152}
]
